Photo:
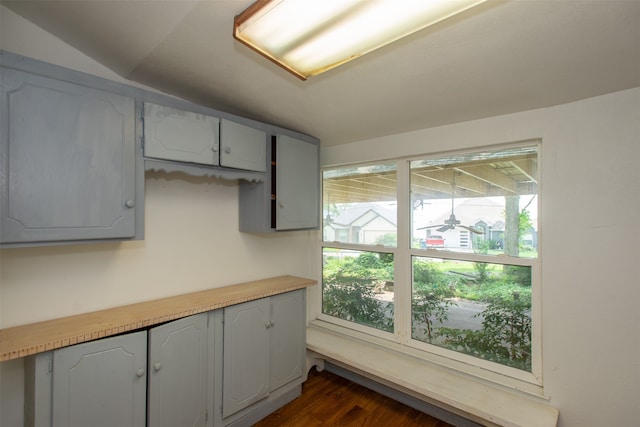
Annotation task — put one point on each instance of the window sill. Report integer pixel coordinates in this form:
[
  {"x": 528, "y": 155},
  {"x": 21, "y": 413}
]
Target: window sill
[{"x": 471, "y": 397}]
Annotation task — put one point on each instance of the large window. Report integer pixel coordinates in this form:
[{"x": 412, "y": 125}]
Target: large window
[{"x": 438, "y": 253}]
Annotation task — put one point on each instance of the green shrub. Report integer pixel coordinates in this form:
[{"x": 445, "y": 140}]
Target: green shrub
[
  {"x": 354, "y": 301},
  {"x": 505, "y": 336},
  {"x": 429, "y": 304}
]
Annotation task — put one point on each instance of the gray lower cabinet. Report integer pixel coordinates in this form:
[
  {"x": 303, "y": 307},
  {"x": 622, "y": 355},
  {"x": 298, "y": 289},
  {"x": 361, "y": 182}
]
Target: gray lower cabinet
[
  {"x": 180, "y": 369},
  {"x": 99, "y": 383},
  {"x": 264, "y": 356},
  {"x": 160, "y": 377},
  {"x": 68, "y": 163},
  {"x": 231, "y": 366},
  {"x": 289, "y": 197},
  {"x": 288, "y": 338}
]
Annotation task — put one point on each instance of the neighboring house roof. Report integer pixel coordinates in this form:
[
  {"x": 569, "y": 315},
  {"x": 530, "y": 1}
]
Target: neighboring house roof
[
  {"x": 471, "y": 211},
  {"x": 360, "y": 211}
]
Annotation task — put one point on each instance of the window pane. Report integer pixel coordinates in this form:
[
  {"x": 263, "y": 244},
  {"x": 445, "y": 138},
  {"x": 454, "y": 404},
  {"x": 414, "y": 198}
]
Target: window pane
[
  {"x": 359, "y": 205},
  {"x": 358, "y": 286},
  {"x": 482, "y": 202},
  {"x": 476, "y": 308}
]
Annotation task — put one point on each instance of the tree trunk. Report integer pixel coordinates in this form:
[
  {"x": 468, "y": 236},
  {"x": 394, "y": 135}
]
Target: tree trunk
[{"x": 512, "y": 226}]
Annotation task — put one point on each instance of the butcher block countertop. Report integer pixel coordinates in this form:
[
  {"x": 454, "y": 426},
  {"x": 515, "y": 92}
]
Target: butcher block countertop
[{"x": 24, "y": 340}]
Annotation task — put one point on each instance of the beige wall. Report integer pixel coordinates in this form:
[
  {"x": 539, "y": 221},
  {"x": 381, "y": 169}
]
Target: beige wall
[{"x": 589, "y": 237}]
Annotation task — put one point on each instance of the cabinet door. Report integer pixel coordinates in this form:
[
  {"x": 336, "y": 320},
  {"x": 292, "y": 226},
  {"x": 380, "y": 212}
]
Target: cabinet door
[
  {"x": 67, "y": 170},
  {"x": 242, "y": 147},
  {"x": 297, "y": 184},
  {"x": 178, "y": 373},
  {"x": 287, "y": 337},
  {"x": 246, "y": 355},
  {"x": 101, "y": 383},
  {"x": 184, "y": 136}
]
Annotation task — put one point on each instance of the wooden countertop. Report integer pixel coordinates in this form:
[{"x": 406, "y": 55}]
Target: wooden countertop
[{"x": 24, "y": 340}]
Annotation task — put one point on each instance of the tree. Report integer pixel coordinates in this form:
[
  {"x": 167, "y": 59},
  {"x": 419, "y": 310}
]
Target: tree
[
  {"x": 512, "y": 226},
  {"x": 427, "y": 306},
  {"x": 430, "y": 301}
]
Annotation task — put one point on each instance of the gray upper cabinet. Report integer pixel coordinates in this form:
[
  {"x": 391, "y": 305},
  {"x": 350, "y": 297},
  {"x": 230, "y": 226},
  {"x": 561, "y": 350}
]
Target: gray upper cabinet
[
  {"x": 289, "y": 197},
  {"x": 197, "y": 143},
  {"x": 74, "y": 149},
  {"x": 180, "y": 135},
  {"x": 68, "y": 164},
  {"x": 242, "y": 147},
  {"x": 297, "y": 184}
]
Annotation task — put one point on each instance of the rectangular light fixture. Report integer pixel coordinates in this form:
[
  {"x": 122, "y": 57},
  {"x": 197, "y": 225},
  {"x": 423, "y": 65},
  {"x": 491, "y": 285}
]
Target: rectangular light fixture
[{"x": 308, "y": 37}]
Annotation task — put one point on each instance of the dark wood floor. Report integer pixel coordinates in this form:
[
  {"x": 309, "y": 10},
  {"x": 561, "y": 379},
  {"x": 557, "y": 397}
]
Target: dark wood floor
[{"x": 330, "y": 400}]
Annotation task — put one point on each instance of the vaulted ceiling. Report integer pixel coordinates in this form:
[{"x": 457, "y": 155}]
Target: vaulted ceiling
[{"x": 501, "y": 57}]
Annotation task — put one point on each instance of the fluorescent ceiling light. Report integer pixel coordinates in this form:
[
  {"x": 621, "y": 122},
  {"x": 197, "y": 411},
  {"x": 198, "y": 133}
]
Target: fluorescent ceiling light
[{"x": 309, "y": 37}]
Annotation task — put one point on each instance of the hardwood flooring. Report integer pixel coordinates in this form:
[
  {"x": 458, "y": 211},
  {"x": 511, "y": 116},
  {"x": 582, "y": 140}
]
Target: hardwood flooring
[{"x": 330, "y": 400}]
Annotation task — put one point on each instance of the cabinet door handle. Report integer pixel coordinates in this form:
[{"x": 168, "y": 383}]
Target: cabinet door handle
[
  {"x": 129, "y": 203},
  {"x": 157, "y": 366},
  {"x": 272, "y": 323},
  {"x": 140, "y": 372},
  {"x": 268, "y": 325},
  {"x": 227, "y": 150}
]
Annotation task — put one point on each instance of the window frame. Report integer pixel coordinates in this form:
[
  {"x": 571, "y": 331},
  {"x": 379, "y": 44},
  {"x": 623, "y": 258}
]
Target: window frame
[{"x": 401, "y": 339}]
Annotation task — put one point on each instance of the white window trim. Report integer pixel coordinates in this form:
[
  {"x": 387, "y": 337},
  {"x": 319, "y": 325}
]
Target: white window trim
[{"x": 401, "y": 341}]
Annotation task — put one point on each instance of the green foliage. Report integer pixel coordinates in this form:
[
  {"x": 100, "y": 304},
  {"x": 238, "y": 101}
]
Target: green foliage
[
  {"x": 492, "y": 291},
  {"x": 426, "y": 273},
  {"x": 518, "y": 274},
  {"x": 368, "y": 266},
  {"x": 430, "y": 300},
  {"x": 388, "y": 239},
  {"x": 369, "y": 260},
  {"x": 505, "y": 336},
  {"x": 507, "y": 325},
  {"x": 355, "y": 302},
  {"x": 429, "y": 305},
  {"x": 348, "y": 290},
  {"x": 524, "y": 222},
  {"x": 481, "y": 247},
  {"x": 349, "y": 293}
]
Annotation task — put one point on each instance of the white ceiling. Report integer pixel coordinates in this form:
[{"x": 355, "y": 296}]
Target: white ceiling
[{"x": 500, "y": 57}]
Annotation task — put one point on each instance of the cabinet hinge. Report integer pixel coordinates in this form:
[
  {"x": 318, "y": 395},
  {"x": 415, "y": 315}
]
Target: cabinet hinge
[{"x": 141, "y": 127}]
